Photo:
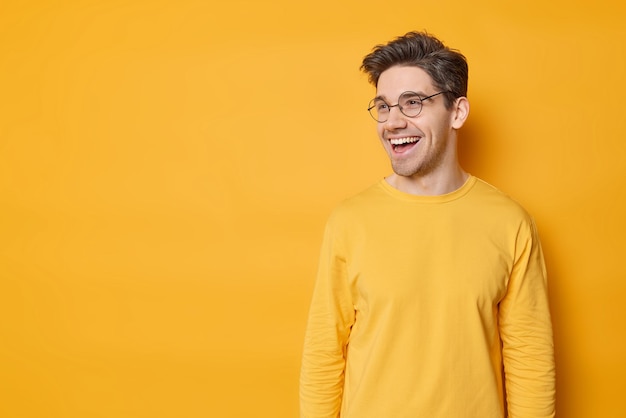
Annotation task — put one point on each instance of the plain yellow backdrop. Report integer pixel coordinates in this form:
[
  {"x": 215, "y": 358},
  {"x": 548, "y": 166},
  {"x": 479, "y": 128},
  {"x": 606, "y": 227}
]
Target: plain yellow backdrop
[{"x": 166, "y": 169}]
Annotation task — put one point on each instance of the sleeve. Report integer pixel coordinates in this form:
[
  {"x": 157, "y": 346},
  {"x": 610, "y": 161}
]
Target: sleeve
[
  {"x": 331, "y": 317},
  {"x": 526, "y": 332}
]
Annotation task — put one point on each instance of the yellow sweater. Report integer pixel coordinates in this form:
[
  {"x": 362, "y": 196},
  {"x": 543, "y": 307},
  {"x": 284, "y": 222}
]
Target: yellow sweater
[{"x": 429, "y": 307}]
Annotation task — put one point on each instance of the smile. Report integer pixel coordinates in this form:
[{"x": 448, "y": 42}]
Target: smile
[
  {"x": 403, "y": 144},
  {"x": 405, "y": 140}
]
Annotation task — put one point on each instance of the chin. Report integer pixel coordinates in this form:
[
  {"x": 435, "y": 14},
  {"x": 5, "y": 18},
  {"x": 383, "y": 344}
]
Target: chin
[{"x": 406, "y": 170}]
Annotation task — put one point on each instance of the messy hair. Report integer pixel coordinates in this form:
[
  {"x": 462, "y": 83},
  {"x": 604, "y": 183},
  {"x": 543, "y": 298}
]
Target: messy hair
[{"x": 446, "y": 67}]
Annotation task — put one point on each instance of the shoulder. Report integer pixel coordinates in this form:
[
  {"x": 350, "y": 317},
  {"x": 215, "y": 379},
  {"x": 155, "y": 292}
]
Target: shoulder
[
  {"x": 361, "y": 202},
  {"x": 487, "y": 197},
  {"x": 497, "y": 211},
  {"x": 358, "y": 209}
]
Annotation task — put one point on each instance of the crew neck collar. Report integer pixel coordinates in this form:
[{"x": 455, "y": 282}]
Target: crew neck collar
[{"x": 441, "y": 198}]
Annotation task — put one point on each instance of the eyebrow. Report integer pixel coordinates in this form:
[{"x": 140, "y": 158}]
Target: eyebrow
[{"x": 417, "y": 93}]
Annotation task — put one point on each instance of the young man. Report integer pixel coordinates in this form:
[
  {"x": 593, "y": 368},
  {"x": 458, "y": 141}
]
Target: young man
[{"x": 431, "y": 296}]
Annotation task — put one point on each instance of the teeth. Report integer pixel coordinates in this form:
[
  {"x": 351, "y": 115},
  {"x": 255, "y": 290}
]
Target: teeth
[{"x": 400, "y": 141}]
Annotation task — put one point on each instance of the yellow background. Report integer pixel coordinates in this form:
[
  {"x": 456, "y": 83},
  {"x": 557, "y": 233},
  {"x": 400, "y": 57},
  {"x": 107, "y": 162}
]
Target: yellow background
[{"x": 166, "y": 169}]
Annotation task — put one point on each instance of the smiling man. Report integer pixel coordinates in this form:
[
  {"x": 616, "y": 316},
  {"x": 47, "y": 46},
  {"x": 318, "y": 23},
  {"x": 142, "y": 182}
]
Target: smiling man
[{"x": 431, "y": 296}]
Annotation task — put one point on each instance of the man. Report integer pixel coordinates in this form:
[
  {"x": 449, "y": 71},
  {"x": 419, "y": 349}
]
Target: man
[{"x": 431, "y": 296}]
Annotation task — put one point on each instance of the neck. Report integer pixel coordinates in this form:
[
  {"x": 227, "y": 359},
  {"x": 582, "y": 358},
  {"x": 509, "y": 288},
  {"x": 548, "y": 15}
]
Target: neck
[{"x": 430, "y": 184}]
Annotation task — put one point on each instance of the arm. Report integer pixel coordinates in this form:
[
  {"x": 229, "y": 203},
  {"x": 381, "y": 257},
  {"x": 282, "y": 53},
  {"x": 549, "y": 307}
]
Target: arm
[
  {"x": 526, "y": 332},
  {"x": 330, "y": 319}
]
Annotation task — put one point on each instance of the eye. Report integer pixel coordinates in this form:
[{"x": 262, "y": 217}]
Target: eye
[
  {"x": 412, "y": 103},
  {"x": 382, "y": 106}
]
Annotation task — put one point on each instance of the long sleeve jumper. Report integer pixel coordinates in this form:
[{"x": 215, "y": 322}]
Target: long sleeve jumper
[{"x": 429, "y": 306}]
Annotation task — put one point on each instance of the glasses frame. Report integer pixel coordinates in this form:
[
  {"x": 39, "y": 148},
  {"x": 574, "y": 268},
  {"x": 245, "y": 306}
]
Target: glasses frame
[{"x": 421, "y": 99}]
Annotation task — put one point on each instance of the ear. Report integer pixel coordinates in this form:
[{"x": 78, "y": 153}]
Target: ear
[{"x": 460, "y": 112}]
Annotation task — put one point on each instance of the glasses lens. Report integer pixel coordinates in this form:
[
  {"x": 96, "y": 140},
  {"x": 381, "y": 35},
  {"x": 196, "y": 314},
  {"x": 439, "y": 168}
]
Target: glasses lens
[
  {"x": 379, "y": 110},
  {"x": 410, "y": 103}
]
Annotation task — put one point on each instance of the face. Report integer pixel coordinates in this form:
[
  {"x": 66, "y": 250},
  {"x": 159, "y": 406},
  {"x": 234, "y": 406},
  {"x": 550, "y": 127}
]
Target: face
[{"x": 422, "y": 145}]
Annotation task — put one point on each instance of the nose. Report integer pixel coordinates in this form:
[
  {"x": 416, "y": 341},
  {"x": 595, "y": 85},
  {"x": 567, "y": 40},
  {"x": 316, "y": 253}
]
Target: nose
[{"x": 396, "y": 119}]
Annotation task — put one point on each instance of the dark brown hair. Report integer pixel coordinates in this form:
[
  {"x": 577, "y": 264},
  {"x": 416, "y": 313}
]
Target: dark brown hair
[{"x": 447, "y": 67}]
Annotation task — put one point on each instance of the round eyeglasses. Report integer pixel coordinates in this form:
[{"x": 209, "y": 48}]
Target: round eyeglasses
[{"x": 409, "y": 103}]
